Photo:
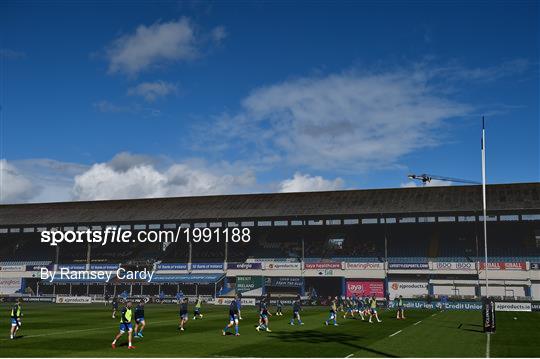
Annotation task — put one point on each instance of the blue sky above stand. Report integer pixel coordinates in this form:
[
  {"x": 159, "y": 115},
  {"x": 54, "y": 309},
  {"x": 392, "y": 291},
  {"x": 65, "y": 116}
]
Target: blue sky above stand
[{"x": 103, "y": 100}]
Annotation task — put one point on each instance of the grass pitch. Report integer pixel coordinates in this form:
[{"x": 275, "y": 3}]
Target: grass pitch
[{"x": 79, "y": 330}]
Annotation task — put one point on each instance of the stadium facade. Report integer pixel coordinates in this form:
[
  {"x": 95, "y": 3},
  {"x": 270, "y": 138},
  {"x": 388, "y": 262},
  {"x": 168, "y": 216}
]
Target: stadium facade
[{"x": 424, "y": 242}]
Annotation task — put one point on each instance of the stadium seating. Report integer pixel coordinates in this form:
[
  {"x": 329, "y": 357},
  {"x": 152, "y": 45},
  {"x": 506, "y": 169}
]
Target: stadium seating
[{"x": 405, "y": 242}]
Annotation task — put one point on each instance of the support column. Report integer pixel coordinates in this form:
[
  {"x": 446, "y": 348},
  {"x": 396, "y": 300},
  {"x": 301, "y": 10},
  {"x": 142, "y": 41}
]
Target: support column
[{"x": 88, "y": 251}]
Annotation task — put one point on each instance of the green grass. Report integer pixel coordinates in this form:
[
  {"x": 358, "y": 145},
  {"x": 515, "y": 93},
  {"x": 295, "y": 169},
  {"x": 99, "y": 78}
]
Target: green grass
[{"x": 72, "y": 330}]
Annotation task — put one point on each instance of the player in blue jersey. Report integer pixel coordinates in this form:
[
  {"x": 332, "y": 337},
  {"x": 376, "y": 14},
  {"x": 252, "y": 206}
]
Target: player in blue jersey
[
  {"x": 333, "y": 312},
  {"x": 139, "y": 319},
  {"x": 184, "y": 315},
  {"x": 233, "y": 316},
  {"x": 297, "y": 307},
  {"x": 360, "y": 307},
  {"x": 367, "y": 302},
  {"x": 263, "y": 316},
  {"x": 349, "y": 308}
]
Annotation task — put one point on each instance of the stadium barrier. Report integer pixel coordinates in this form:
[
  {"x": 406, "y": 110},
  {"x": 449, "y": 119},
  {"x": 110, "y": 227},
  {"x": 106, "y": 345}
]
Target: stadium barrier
[{"x": 422, "y": 304}]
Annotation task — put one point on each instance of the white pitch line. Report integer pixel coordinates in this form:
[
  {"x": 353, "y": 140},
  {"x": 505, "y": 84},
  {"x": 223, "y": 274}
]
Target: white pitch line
[
  {"x": 349, "y": 356},
  {"x": 75, "y": 331},
  {"x": 391, "y": 335},
  {"x": 488, "y": 345},
  {"x": 418, "y": 322}
]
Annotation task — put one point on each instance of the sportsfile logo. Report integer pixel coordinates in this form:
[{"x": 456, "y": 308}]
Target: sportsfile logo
[{"x": 119, "y": 235}]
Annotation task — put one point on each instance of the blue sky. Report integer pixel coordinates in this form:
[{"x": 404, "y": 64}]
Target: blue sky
[{"x": 108, "y": 100}]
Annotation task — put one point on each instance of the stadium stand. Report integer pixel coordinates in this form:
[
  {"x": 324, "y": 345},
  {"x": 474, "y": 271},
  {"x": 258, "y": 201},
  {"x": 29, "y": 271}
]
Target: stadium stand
[{"x": 400, "y": 226}]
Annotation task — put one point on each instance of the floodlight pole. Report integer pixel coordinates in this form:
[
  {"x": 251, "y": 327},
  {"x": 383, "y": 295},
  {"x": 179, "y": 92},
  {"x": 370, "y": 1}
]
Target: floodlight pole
[{"x": 484, "y": 204}]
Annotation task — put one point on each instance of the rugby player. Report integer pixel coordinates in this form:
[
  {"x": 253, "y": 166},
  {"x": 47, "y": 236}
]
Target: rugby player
[
  {"x": 360, "y": 307},
  {"x": 279, "y": 306},
  {"x": 373, "y": 309},
  {"x": 349, "y": 308},
  {"x": 297, "y": 307},
  {"x": 16, "y": 314},
  {"x": 333, "y": 312},
  {"x": 139, "y": 319},
  {"x": 197, "y": 311},
  {"x": 125, "y": 325},
  {"x": 233, "y": 316},
  {"x": 184, "y": 316},
  {"x": 400, "y": 309},
  {"x": 264, "y": 314}
]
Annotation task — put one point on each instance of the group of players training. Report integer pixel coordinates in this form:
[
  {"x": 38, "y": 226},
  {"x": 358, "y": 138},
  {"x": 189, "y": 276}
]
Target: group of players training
[
  {"x": 127, "y": 313},
  {"x": 350, "y": 306}
]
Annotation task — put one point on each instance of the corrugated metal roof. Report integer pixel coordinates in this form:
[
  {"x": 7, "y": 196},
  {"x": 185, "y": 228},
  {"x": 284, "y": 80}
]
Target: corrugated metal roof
[{"x": 421, "y": 200}]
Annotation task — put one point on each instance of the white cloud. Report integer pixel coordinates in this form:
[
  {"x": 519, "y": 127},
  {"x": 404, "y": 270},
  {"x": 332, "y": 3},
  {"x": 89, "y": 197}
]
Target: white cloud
[
  {"x": 347, "y": 122},
  {"x": 306, "y": 183},
  {"x": 432, "y": 183},
  {"x": 132, "y": 176},
  {"x": 37, "y": 180},
  {"x": 148, "y": 46},
  {"x": 126, "y": 175},
  {"x": 151, "y": 91},
  {"x": 14, "y": 186},
  {"x": 458, "y": 72}
]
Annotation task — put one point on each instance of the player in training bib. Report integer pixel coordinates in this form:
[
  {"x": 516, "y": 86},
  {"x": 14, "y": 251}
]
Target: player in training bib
[
  {"x": 373, "y": 309},
  {"x": 125, "y": 325},
  {"x": 263, "y": 316},
  {"x": 16, "y": 314},
  {"x": 139, "y": 319},
  {"x": 184, "y": 315},
  {"x": 333, "y": 312},
  {"x": 197, "y": 311},
  {"x": 233, "y": 317},
  {"x": 297, "y": 307}
]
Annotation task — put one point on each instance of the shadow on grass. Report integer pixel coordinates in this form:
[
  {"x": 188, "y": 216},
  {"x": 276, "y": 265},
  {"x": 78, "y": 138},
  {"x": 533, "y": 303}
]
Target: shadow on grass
[
  {"x": 471, "y": 327},
  {"x": 313, "y": 336}
]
